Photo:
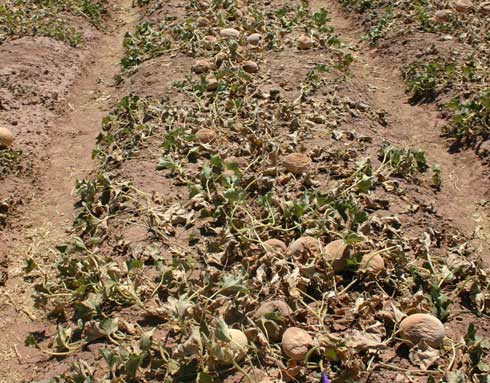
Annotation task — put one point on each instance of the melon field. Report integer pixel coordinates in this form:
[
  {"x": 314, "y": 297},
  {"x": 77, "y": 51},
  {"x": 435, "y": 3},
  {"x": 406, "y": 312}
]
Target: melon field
[{"x": 244, "y": 191}]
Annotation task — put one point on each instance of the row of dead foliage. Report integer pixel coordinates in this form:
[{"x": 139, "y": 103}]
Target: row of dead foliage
[{"x": 280, "y": 248}]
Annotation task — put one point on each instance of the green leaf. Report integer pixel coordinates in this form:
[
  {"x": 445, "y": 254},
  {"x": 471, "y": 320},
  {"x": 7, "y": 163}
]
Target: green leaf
[
  {"x": 233, "y": 195},
  {"x": 437, "y": 176},
  {"x": 179, "y": 306},
  {"x": 31, "y": 341},
  {"x": 146, "y": 340},
  {"x": 30, "y": 265},
  {"x": 204, "y": 377},
  {"x": 207, "y": 172},
  {"x": 275, "y": 316},
  {"x": 62, "y": 338},
  {"x": 112, "y": 359},
  {"x": 223, "y": 331},
  {"x": 441, "y": 302},
  {"x": 109, "y": 326},
  {"x": 351, "y": 238},
  {"x": 135, "y": 264},
  {"x": 331, "y": 354},
  {"x": 470, "y": 337},
  {"x": 87, "y": 308},
  {"x": 78, "y": 243},
  {"x": 365, "y": 183},
  {"x": 216, "y": 161},
  {"x": 483, "y": 367},
  {"x": 133, "y": 364},
  {"x": 233, "y": 284}
]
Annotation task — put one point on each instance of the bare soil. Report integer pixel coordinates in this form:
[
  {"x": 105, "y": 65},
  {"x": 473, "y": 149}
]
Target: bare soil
[
  {"x": 466, "y": 179},
  {"x": 65, "y": 94},
  {"x": 56, "y": 121}
]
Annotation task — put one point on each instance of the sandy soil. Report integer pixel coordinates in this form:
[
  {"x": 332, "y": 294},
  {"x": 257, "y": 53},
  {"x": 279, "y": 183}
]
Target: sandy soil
[{"x": 55, "y": 97}]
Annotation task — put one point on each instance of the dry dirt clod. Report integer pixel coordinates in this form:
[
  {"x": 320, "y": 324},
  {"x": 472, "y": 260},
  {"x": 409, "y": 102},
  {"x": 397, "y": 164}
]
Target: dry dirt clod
[
  {"x": 305, "y": 42},
  {"x": 254, "y": 39},
  {"x": 296, "y": 343},
  {"x": 422, "y": 328},
  {"x": 201, "y": 66},
  {"x": 274, "y": 329},
  {"x": 337, "y": 253},
  {"x": 250, "y": 67},
  {"x": 372, "y": 263},
  {"x": 6, "y": 137},
  {"x": 205, "y": 135},
  {"x": 297, "y": 163},
  {"x": 230, "y": 33},
  {"x": 305, "y": 248}
]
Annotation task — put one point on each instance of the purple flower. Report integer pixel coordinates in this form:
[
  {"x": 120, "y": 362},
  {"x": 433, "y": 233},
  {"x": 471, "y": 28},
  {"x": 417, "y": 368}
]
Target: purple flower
[{"x": 325, "y": 378}]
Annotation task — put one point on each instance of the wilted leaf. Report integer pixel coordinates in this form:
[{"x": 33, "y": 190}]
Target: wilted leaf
[
  {"x": 363, "y": 341},
  {"x": 179, "y": 306},
  {"x": 423, "y": 357},
  {"x": 456, "y": 377}
]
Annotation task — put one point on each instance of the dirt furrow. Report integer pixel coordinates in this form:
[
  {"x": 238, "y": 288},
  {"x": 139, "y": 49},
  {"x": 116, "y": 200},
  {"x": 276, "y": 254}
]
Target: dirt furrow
[
  {"x": 465, "y": 180},
  {"x": 270, "y": 187},
  {"x": 43, "y": 223}
]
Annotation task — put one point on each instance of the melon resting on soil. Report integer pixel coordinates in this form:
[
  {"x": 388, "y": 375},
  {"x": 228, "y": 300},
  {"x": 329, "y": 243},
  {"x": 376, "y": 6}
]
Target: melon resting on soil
[
  {"x": 201, "y": 66},
  {"x": 425, "y": 328},
  {"x": 6, "y": 137},
  {"x": 254, "y": 228},
  {"x": 205, "y": 135},
  {"x": 337, "y": 254},
  {"x": 304, "y": 248},
  {"x": 443, "y": 15},
  {"x": 275, "y": 245},
  {"x": 230, "y": 33},
  {"x": 372, "y": 263},
  {"x": 271, "y": 317},
  {"x": 297, "y": 163},
  {"x": 254, "y": 39},
  {"x": 296, "y": 343},
  {"x": 212, "y": 83},
  {"x": 250, "y": 67},
  {"x": 234, "y": 350},
  {"x": 305, "y": 42}
]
